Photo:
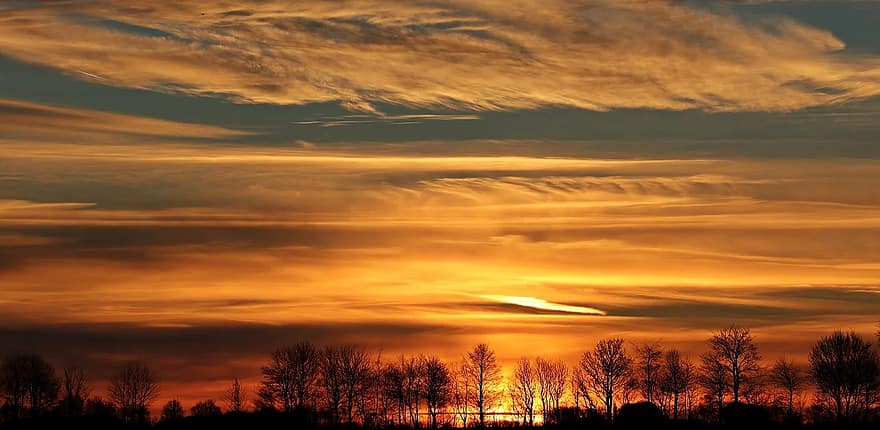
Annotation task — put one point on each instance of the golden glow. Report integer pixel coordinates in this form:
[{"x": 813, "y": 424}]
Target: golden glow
[
  {"x": 484, "y": 55},
  {"x": 534, "y": 303},
  {"x": 215, "y": 244}
]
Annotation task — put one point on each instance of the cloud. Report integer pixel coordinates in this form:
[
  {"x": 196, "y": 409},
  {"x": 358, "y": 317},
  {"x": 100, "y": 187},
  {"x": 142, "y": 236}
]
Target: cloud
[
  {"x": 363, "y": 119},
  {"x": 341, "y": 159},
  {"x": 544, "y": 305},
  {"x": 484, "y": 55},
  {"x": 439, "y": 244},
  {"x": 62, "y": 123},
  {"x": 796, "y": 1}
]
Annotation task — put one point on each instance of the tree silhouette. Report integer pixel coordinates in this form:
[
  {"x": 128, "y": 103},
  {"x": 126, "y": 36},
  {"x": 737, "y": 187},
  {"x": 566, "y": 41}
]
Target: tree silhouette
[
  {"x": 675, "y": 377},
  {"x": 374, "y": 408},
  {"x": 714, "y": 379},
  {"x": 351, "y": 386},
  {"x": 235, "y": 397},
  {"x": 437, "y": 387},
  {"x": 387, "y": 384},
  {"x": 132, "y": 390},
  {"x": 332, "y": 380},
  {"x": 580, "y": 391},
  {"x": 97, "y": 407},
  {"x": 265, "y": 400},
  {"x": 355, "y": 372},
  {"x": 576, "y": 382},
  {"x": 205, "y": 408},
  {"x": 734, "y": 350},
  {"x": 290, "y": 376},
  {"x": 606, "y": 370},
  {"x": 412, "y": 381},
  {"x": 648, "y": 357},
  {"x": 788, "y": 377},
  {"x": 845, "y": 370},
  {"x": 462, "y": 391},
  {"x": 171, "y": 412},
  {"x": 552, "y": 380},
  {"x": 522, "y": 389},
  {"x": 74, "y": 391},
  {"x": 395, "y": 392},
  {"x": 485, "y": 375},
  {"x": 28, "y": 384},
  {"x": 306, "y": 361}
]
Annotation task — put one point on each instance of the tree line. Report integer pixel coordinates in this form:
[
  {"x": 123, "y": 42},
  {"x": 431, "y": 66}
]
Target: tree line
[{"x": 613, "y": 383}]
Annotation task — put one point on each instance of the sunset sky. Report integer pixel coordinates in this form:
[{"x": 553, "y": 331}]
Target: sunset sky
[{"x": 196, "y": 183}]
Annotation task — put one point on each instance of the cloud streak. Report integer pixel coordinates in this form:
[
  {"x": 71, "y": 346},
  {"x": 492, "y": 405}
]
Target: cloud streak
[
  {"x": 361, "y": 119},
  {"x": 62, "y": 123},
  {"x": 483, "y": 55},
  {"x": 541, "y": 304}
]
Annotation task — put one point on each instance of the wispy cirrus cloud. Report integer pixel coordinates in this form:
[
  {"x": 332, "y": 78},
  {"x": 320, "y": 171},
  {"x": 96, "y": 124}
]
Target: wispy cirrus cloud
[
  {"x": 65, "y": 124},
  {"x": 362, "y": 119},
  {"x": 483, "y": 55}
]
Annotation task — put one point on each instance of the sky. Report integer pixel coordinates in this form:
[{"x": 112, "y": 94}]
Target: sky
[{"x": 195, "y": 184}]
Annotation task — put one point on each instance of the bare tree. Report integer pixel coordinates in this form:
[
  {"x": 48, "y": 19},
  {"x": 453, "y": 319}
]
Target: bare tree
[
  {"x": 437, "y": 387},
  {"x": 557, "y": 386},
  {"x": 74, "y": 391},
  {"x": 413, "y": 387},
  {"x": 172, "y": 411},
  {"x": 389, "y": 389},
  {"x": 28, "y": 384},
  {"x": 332, "y": 380},
  {"x": 714, "y": 379},
  {"x": 355, "y": 368},
  {"x": 788, "y": 377},
  {"x": 648, "y": 359},
  {"x": 846, "y": 371},
  {"x": 235, "y": 397},
  {"x": 277, "y": 385},
  {"x": 576, "y": 382},
  {"x": 291, "y": 374},
  {"x": 734, "y": 350},
  {"x": 132, "y": 390},
  {"x": 606, "y": 370},
  {"x": 758, "y": 391},
  {"x": 579, "y": 390},
  {"x": 396, "y": 389},
  {"x": 205, "y": 408},
  {"x": 552, "y": 380},
  {"x": 306, "y": 363},
  {"x": 373, "y": 406},
  {"x": 523, "y": 388},
  {"x": 265, "y": 399},
  {"x": 485, "y": 375},
  {"x": 462, "y": 391},
  {"x": 631, "y": 388},
  {"x": 675, "y": 377}
]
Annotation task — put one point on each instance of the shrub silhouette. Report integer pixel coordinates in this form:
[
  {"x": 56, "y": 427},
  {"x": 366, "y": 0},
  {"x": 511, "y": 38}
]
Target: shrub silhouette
[
  {"x": 743, "y": 415},
  {"x": 641, "y": 415}
]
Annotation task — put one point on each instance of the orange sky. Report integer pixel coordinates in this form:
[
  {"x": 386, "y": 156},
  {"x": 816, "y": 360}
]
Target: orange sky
[{"x": 198, "y": 197}]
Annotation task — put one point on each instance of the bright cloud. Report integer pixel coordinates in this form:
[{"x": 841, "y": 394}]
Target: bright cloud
[
  {"x": 535, "y": 303},
  {"x": 480, "y": 55}
]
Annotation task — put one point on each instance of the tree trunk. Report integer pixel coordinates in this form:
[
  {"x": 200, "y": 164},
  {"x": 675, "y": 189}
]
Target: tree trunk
[{"x": 675, "y": 407}]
